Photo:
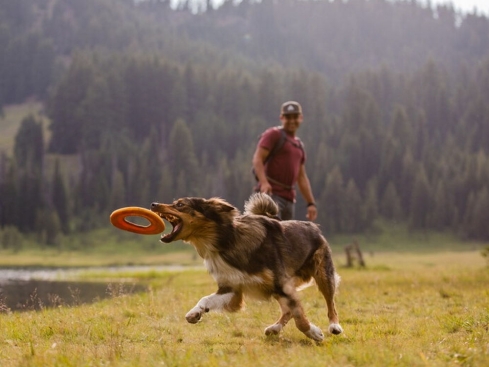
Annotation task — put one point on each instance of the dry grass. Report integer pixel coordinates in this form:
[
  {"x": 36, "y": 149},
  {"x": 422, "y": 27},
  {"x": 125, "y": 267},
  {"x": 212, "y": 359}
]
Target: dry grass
[{"x": 403, "y": 310}]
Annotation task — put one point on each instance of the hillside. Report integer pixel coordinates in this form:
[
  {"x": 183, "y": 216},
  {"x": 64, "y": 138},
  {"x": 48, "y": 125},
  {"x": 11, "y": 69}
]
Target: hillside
[
  {"x": 332, "y": 38},
  {"x": 152, "y": 103}
]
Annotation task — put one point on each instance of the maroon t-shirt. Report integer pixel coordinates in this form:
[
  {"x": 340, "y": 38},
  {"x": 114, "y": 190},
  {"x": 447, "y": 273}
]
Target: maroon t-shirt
[{"x": 285, "y": 164}]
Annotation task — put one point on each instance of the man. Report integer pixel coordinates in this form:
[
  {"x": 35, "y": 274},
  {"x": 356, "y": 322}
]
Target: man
[{"x": 278, "y": 175}]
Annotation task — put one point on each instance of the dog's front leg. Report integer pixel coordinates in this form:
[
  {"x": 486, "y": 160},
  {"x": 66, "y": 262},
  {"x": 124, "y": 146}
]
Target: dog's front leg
[{"x": 224, "y": 299}]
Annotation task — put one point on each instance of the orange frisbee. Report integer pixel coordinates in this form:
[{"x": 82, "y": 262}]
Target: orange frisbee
[{"x": 118, "y": 219}]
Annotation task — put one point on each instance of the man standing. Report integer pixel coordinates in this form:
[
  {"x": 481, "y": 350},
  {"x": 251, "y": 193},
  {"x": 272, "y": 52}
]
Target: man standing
[{"x": 279, "y": 164}]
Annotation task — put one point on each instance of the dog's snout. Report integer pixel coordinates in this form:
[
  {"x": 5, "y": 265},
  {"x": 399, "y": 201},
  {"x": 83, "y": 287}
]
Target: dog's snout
[{"x": 154, "y": 205}]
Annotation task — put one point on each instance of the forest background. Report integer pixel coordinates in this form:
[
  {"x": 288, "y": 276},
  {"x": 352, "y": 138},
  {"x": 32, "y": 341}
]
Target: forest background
[{"x": 139, "y": 102}]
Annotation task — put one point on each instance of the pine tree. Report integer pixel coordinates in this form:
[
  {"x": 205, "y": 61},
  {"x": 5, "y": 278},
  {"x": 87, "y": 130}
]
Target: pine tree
[
  {"x": 95, "y": 114},
  {"x": 269, "y": 98},
  {"x": 118, "y": 191},
  {"x": 441, "y": 215},
  {"x": 332, "y": 201},
  {"x": 48, "y": 226},
  {"x": 10, "y": 211},
  {"x": 477, "y": 215},
  {"x": 29, "y": 156},
  {"x": 352, "y": 214},
  {"x": 183, "y": 162},
  {"x": 165, "y": 193},
  {"x": 370, "y": 204},
  {"x": 65, "y": 107},
  {"x": 362, "y": 120},
  {"x": 29, "y": 146},
  {"x": 30, "y": 200},
  {"x": 390, "y": 205},
  {"x": 405, "y": 188},
  {"x": 60, "y": 200},
  {"x": 421, "y": 201}
]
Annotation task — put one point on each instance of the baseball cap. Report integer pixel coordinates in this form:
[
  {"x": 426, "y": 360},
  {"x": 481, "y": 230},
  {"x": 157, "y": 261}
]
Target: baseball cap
[{"x": 291, "y": 107}]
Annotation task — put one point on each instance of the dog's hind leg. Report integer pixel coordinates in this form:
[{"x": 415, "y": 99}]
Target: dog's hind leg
[
  {"x": 327, "y": 281},
  {"x": 224, "y": 299},
  {"x": 276, "y": 328},
  {"x": 292, "y": 308}
]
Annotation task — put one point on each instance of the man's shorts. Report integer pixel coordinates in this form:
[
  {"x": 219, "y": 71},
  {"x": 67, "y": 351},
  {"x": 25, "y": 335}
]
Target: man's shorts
[{"x": 286, "y": 208}]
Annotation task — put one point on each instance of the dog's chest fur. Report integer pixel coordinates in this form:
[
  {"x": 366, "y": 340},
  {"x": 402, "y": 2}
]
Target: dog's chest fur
[{"x": 258, "y": 285}]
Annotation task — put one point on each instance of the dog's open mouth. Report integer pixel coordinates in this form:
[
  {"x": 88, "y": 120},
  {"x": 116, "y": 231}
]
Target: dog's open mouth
[{"x": 176, "y": 224}]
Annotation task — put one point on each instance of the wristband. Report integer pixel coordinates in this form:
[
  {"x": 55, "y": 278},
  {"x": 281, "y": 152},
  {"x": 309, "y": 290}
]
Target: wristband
[{"x": 310, "y": 204}]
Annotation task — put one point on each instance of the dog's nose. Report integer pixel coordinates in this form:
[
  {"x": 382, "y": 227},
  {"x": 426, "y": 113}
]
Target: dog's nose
[{"x": 154, "y": 205}]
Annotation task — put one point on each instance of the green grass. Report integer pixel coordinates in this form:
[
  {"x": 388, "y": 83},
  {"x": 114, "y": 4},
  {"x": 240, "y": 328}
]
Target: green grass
[
  {"x": 103, "y": 247},
  {"x": 397, "y": 237},
  {"x": 402, "y": 310},
  {"x": 110, "y": 246}
]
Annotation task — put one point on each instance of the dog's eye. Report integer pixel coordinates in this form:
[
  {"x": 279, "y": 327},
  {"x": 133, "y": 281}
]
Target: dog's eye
[{"x": 179, "y": 205}]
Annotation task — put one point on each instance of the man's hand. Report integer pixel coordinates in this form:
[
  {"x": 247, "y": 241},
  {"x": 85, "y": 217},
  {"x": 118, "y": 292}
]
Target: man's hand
[
  {"x": 266, "y": 188},
  {"x": 312, "y": 213},
  {"x": 259, "y": 157}
]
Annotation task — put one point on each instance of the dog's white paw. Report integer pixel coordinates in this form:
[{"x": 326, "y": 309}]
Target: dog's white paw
[
  {"x": 194, "y": 315},
  {"x": 335, "y": 329},
  {"x": 315, "y": 333},
  {"x": 274, "y": 329}
]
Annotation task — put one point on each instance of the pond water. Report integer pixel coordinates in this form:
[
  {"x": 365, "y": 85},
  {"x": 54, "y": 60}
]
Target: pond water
[
  {"x": 35, "y": 289},
  {"x": 26, "y": 295}
]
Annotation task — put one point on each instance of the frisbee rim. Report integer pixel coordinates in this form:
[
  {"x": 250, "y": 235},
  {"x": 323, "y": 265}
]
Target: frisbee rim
[{"x": 118, "y": 219}]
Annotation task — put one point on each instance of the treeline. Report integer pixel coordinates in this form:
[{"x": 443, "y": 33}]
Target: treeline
[
  {"x": 138, "y": 126},
  {"x": 334, "y": 38},
  {"x": 400, "y": 147},
  {"x": 338, "y": 37},
  {"x": 27, "y": 64}
]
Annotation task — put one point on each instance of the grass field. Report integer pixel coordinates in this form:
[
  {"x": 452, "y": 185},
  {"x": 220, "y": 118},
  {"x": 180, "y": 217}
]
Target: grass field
[
  {"x": 110, "y": 246},
  {"x": 404, "y": 309}
]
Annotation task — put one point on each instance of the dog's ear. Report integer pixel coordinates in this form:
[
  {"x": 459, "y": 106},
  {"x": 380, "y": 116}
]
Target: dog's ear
[
  {"x": 217, "y": 210},
  {"x": 220, "y": 204}
]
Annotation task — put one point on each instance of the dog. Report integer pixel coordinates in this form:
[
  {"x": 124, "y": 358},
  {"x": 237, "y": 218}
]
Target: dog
[{"x": 257, "y": 255}]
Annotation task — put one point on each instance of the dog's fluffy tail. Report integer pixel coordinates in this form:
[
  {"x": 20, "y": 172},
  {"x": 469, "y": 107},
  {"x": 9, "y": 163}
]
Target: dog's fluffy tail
[{"x": 261, "y": 204}]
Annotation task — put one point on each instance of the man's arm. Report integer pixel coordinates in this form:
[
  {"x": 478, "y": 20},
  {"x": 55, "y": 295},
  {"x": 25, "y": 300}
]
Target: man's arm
[
  {"x": 258, "y": 158},
  {"x": 306, "y": 191}
]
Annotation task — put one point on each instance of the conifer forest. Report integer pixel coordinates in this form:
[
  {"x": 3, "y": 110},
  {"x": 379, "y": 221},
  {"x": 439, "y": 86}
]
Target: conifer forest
[{"x": 144, "y": 101}]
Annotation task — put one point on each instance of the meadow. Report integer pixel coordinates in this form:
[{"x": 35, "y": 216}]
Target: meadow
[
  {"x": 403, "y": 309},
  {"x": 109, "y": 246}
]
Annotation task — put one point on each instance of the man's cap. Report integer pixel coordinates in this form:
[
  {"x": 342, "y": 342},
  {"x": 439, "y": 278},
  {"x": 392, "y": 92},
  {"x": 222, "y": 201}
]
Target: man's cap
[{"x": 291, "y": 107}]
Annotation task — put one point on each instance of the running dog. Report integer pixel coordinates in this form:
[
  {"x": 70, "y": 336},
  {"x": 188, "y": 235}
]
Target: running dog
[{"x": 255, "y": 254}]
